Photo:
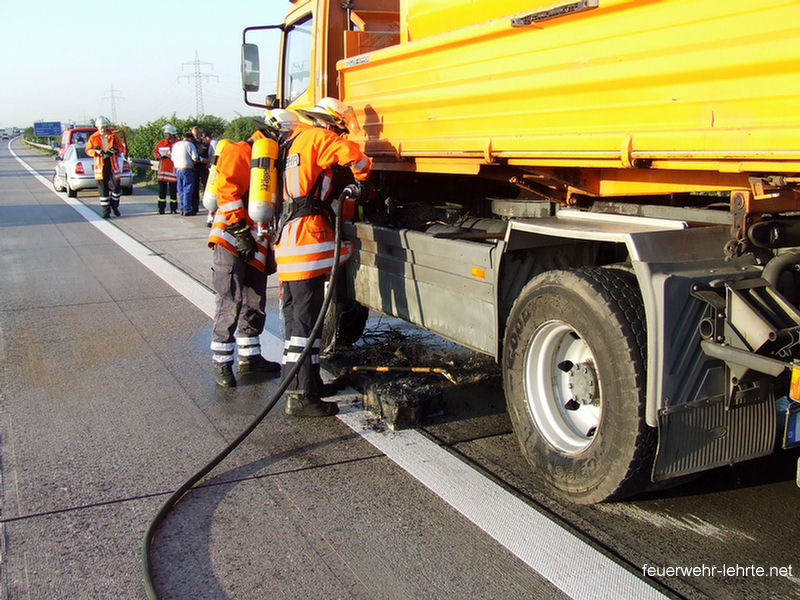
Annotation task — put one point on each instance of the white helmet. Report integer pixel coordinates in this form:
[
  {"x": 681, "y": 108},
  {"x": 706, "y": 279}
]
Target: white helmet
[
  {"x": 282, "y": 119},
  {"x": 169, "y": 129},
  {"x": 332, "y": 111},
  {"x": 101, "y": 122}
]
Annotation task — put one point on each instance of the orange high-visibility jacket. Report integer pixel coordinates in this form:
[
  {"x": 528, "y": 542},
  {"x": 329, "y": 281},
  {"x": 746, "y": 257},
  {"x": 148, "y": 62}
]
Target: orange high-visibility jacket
[
  {"x": 233, "y": 182},
  {"x": 306, "y": 245},
  {"x": 166, "y": 170},
  {"x": 111, "y": 139}
]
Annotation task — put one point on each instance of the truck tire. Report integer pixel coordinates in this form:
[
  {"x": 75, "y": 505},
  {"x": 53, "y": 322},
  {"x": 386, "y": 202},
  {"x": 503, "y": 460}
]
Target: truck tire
[
  {"x": 574, "y": 377},
  {"x": 344, "y": 325}
]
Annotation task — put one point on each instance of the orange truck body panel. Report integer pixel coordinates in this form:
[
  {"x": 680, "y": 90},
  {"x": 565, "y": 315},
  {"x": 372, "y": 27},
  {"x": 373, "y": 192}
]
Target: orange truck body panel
[{"x": 619, "y": 89}]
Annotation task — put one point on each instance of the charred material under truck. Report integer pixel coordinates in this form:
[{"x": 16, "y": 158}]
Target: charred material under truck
[{"x": 603, "y": 195}]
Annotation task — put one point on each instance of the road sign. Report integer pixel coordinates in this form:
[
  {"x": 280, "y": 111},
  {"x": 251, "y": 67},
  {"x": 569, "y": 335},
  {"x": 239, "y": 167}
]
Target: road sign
[{"x": 47, "y": 129}]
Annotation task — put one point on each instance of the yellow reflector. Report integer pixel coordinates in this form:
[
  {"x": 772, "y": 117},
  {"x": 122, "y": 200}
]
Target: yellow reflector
[
  {"x": 481, "y": 274},
  {"x": 794, "y": 388}
]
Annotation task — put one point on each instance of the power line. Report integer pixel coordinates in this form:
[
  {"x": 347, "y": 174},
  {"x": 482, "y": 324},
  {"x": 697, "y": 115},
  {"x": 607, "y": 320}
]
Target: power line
[
  {"x": 113, "y": 98},
  {"x": 198, "y": 76}
]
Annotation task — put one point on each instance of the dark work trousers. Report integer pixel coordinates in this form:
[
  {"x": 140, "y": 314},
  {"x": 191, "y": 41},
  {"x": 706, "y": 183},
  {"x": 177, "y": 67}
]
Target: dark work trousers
[
  {"x": 108, "y": 188},
  {"x": 170, "y": 187},
  {"x": 240, "y": 299},
  {"x": 196, "y": 189},
  {"x": 302, "y": 301}
]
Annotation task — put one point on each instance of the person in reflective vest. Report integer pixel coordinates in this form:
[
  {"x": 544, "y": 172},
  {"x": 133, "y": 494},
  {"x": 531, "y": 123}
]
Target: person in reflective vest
[
  {"x": 305, "y": 247},
  {"x": 239, "y": 272},
  {"x": 167, "y": 179},
  {"x": 106, "y": 149}
]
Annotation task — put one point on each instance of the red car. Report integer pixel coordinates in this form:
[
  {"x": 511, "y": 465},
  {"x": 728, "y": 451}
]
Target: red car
[{"x": 80, "y": 135}]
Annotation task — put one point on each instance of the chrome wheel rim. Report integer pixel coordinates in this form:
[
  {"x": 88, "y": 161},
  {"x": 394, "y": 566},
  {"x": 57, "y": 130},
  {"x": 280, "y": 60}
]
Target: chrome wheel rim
[{"x": 562, "y": 387}]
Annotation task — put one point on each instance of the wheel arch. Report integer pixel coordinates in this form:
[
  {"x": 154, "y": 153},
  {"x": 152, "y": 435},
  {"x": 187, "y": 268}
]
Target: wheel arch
[{"x": 575, "y": 238}]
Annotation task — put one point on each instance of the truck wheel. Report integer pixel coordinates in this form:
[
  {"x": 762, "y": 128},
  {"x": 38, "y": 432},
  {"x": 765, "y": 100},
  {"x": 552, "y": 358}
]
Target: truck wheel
[
  {"x": 574, "y": 377},
  {"x": 344, "y": 325}
]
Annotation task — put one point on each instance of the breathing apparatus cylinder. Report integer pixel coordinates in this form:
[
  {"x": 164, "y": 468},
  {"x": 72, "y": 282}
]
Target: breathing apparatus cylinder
[
  {"x": 210, "y": 193},
  {"x": 263, "y": 180}
]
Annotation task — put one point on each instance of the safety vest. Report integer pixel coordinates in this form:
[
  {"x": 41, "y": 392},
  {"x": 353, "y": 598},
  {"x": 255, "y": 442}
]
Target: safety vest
[
  {"x": 306, "y": 246},
  {"x": 96, "y": 140},
  {"x": 233, "y": 181},
  {"x": 166, "y": 169}
]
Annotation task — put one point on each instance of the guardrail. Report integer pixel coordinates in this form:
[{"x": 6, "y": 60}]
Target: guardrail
[
  {"x": 144, "y": 163},
  {"x": 42, "y": 146},
  {"x": 136, "y": 162}
]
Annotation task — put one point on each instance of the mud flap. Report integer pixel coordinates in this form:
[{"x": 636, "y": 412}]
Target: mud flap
[{"x": 700, "y": 435}]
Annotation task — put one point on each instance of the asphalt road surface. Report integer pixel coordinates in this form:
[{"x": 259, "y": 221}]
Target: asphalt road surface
[{"x": 109, "y": 405}]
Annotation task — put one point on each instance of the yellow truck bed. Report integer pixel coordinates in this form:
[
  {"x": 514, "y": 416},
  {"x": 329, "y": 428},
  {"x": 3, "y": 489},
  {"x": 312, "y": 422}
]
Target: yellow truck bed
[{"x": 649, "y": 96}]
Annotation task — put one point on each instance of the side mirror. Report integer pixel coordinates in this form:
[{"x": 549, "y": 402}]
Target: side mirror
[
  {"x": 272, "y": 101},
  {"x": 251, "y": 77}
]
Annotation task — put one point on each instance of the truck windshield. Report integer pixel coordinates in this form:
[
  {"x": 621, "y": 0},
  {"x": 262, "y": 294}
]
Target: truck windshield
[{"x": 297, "y": 72}]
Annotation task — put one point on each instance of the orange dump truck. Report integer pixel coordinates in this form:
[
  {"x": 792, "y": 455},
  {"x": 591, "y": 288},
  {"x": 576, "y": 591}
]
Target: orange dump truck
[{"x": 602, "y": 194}]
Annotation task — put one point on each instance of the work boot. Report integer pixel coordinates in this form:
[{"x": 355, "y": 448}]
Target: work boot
[
  {"x": 106, "y": 212},
  {"x": 333, "y": 387},
  {"x": 302, "y": 405},
  {"x": 115, "y": 208},
  {"x": 257, "y": 365},
  {"x": 223, "y": 373},
  {"x": 162, "y": 206}
]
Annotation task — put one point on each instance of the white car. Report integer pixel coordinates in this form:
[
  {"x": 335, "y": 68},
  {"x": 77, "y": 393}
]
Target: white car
[{"x": 76, "y": 172}]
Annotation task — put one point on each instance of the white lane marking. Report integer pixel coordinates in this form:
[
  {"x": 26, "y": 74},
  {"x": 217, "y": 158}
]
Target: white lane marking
[{"x": 559, "y": 556}]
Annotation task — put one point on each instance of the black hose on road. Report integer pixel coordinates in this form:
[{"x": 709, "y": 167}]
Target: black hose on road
[{"x": 184, "y": 489}]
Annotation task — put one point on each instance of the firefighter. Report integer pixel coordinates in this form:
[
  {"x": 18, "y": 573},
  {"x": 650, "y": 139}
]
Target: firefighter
[
  {"x": 106, "y": 149},
  {"x": 167, "y": 179},
  {"x": 305, "y": 244},
  {"x": 239, "y": 271}
]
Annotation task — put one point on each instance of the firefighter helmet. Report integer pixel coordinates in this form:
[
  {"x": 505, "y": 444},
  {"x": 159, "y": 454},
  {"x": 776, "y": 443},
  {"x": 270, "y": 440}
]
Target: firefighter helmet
[
  {"x": 332, "y": 111},
  {"x": 169, "y": 129},
  {"x": 282, "y": 119},
  {"x": 101, "y": 122}
]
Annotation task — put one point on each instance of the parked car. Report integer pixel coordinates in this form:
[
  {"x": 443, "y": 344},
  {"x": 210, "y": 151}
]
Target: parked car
[{"x": 76, "y": 172}]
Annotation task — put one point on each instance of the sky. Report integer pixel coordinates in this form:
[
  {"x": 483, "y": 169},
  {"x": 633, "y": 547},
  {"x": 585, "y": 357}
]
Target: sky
[{"x": 73, "y": 61}]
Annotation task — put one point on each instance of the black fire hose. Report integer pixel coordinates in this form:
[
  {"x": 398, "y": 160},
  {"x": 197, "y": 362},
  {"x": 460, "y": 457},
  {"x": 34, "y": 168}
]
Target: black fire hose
[{"x": 180, "y": 492}]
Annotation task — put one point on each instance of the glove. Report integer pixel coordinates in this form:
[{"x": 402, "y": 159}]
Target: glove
[
  {"x": 245, "y": 244},
  {"x": 113, "y": 150},
  {"x": 360, "y": 191},
  {"x": 353, "y": 191}
]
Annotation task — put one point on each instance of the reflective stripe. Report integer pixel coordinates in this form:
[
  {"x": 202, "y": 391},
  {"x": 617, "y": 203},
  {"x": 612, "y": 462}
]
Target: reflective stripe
[
  {"x": 231, "y": 205},
  {"x": 293, "y": 357},
  {"x": 300, "y": 341},
  {"x": 311, "y": 265},
  {"x": 247, "y": 341},
  {"x": 249, "y": 350},
  {"x": 222, "y": 358},
  {"x": 223, "y": 346},
  {"x": 294, "y": 250},
  {"x": 325, "y": 188},
  {"x": 166, "y": 176},
  {"x": 360, "y": 164}
]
